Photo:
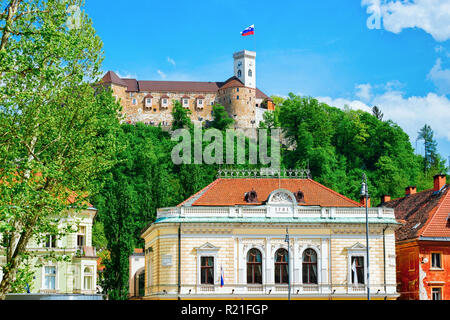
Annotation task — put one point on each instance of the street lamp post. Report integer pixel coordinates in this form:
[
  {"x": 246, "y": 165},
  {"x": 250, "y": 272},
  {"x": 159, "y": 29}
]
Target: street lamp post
[
  {"x": 288, "y": 266},
  {"x": 365, "y": 193}
]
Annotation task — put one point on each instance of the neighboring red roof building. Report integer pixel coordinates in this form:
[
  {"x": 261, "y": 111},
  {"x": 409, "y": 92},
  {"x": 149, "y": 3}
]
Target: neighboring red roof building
[{"x": 423, "y": 242}]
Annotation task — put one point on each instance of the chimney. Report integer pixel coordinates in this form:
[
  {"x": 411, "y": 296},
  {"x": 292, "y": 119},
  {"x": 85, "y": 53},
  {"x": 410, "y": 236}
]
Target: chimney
[
  {"x": 410, "y": 190},
  {"x": 439, "y": 181},
  {"x": 385, "y": 198},
  {"x": 363, "y": 201}
]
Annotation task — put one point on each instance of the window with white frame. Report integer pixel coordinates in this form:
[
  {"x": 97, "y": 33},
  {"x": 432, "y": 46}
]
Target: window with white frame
[
  {"x": 207, "y": 270},
  {"x": 148, "y": 102},
  {"x": 50, "y": 241},
  {"x": 50, "y": 277},
  {"x": 185, "y": 102},
  {"x": 357, "y": 272},
  {"x": 88, "y": 278},
  {"x": 436, "y": 260},
  {"x": 254, "y": 266},
  {"x": 200, "y": 103},
  {"x": 81, "y": 236},
  {"x": 436, "y": 293},
  {"x": 206, "y": 264},
  {"x": 309, "y": 266},
  {"x": 281, "y": 266},
  {"x": 164, "y": 102}
]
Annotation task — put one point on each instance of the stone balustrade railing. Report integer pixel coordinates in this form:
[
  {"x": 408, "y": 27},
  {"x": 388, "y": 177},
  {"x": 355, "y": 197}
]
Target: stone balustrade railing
[{"x": 276, "y": 212}]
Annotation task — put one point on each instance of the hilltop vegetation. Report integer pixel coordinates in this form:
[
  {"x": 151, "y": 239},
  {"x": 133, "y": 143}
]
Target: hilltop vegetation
[{"x": 336, "y": 145}]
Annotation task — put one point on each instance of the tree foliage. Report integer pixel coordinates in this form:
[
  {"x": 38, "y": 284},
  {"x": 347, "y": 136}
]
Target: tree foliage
[{"x": 56, "y": 135}]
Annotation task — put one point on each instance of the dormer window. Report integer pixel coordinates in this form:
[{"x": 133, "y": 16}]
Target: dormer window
[
  {"x": 148, "y": 102},
  {"x": 185, "y": 101},
  {"x": 200, "y": 102},
  {"x": 164, "y": 101}
]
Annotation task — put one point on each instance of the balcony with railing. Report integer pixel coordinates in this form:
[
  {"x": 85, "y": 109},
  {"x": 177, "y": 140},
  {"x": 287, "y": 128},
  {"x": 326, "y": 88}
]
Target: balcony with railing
[{"x": 270, "y": 211}]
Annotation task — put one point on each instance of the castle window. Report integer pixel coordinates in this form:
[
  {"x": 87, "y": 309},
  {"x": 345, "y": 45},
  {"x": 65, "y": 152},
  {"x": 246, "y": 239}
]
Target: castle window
[
  {"x": 200, "y": 103},
  {"x": 250, "y": 72},
  {"x": 164, "y": 102},
  {"x": 239, "y": 73},
  {"x": 134, "y": 101},
  {"x": 237, "y": 97},
  {"x": 148, "y": 102},
  {"x": 237, "y": 89}
]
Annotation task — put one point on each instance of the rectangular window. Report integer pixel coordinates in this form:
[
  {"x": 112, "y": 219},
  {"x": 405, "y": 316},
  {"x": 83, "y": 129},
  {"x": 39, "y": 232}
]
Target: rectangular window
[
  {"x": 50, "y": 241},
  {"x": 358, "y": 270},
  {"x": 207, "y": 270},
  {"x": 50, "y": 278},
  {"x": 237, "y": 97},
  {"x": 148, "y": 102},
  {"x": 436, "y": 293},
  {"x": 81, "y": 236},
  {"x": 134, "y": 101},
  {"x": 200, "y": 101},
  {"x": 185, "y": 102},
  {"x": 436, "y": 261}
]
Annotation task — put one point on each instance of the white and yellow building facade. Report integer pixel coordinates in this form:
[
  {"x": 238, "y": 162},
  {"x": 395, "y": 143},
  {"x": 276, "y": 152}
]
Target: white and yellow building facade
[{"x": 229, "y": 241}]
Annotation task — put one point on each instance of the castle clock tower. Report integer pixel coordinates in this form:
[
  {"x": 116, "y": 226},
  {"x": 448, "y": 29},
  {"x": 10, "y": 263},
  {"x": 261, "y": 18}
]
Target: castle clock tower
[{"x": 245, "y": 67}]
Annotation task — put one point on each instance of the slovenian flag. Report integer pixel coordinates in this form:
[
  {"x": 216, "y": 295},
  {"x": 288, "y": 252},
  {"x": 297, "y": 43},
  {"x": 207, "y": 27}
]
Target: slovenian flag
[
  {"x": 248, "y": 31},
  {"x": 221, "y": 277}
]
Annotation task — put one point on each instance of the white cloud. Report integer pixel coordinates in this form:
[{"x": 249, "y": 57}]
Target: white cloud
[
  {"x": 162, "y": 74},
  {"x": 171, "y": 61},
  {"x": 126, "y": 75},
  {"x": 432, "y": 16},
  {"x": 410, "y": 113},
  {"x": 364, "y": 91},
  {"x": 440, "y": 77}
]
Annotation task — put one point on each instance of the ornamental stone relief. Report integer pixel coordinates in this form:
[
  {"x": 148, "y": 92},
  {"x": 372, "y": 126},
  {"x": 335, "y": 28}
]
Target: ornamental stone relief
[{"x": 281, "y": 198}]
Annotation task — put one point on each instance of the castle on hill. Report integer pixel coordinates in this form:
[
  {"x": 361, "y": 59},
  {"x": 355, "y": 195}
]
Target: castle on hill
[{"x": 151, "y": 102}]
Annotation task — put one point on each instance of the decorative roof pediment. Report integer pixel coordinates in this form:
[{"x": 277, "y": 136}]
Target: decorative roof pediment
[
  {"x": 281, "y": 196},
  {"x": 357, "y": 247},
  {"x": 207, "y": 247}
]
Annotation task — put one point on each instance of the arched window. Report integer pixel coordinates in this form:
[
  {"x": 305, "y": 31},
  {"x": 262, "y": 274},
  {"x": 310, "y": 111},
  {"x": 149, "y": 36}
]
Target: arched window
[
  {"x": 239, "y": 73},
  {"x": 250, "y": 72},
  {"x": 309, "y": 266},
  {"x": 281, "y": 266},
  {"x": 88, "y": 275},
  {"x": 254, "y": 267}
]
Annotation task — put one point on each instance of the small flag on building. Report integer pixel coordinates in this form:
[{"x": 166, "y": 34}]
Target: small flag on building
[
  {"x": 221, "y": 277},
  {"x": 248, "y": 31}
]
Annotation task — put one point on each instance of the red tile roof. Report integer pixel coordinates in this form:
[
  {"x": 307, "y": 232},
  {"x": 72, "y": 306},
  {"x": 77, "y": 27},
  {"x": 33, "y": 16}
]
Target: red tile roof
[
  {"x": 134, "y": 85},
  {"x": 425, "y": 213},
  {"x": 230, "y": 192}
]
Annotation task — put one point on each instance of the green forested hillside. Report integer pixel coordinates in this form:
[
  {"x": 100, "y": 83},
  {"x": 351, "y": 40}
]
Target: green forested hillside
[{"x": 336, "y": 145}]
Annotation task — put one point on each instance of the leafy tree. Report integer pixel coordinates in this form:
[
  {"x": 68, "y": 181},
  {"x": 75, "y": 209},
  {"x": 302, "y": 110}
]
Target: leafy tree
[
  {"x": 430, "y": 146},
  {"x": 221, "y": 120},
  {"x": 55, "y": 134},
  {"x": 377, "y": 113},
  {"x": 180, "y": 116}
]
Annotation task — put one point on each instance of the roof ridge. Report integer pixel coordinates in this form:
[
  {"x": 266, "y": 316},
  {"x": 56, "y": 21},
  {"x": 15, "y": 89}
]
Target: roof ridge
[
  {"x": 335, "y": 192},
  {"x": 432, "y": 213},
  {"x": 199, "y": 193}
]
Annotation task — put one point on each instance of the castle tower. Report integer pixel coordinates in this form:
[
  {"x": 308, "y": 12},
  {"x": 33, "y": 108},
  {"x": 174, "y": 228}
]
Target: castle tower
[{"x": 245, "y": 67}]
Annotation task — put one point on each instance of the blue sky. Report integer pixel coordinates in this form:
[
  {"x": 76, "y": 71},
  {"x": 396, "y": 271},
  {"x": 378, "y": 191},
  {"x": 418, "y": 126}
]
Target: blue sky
[{"x": 392, "y": 54}]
